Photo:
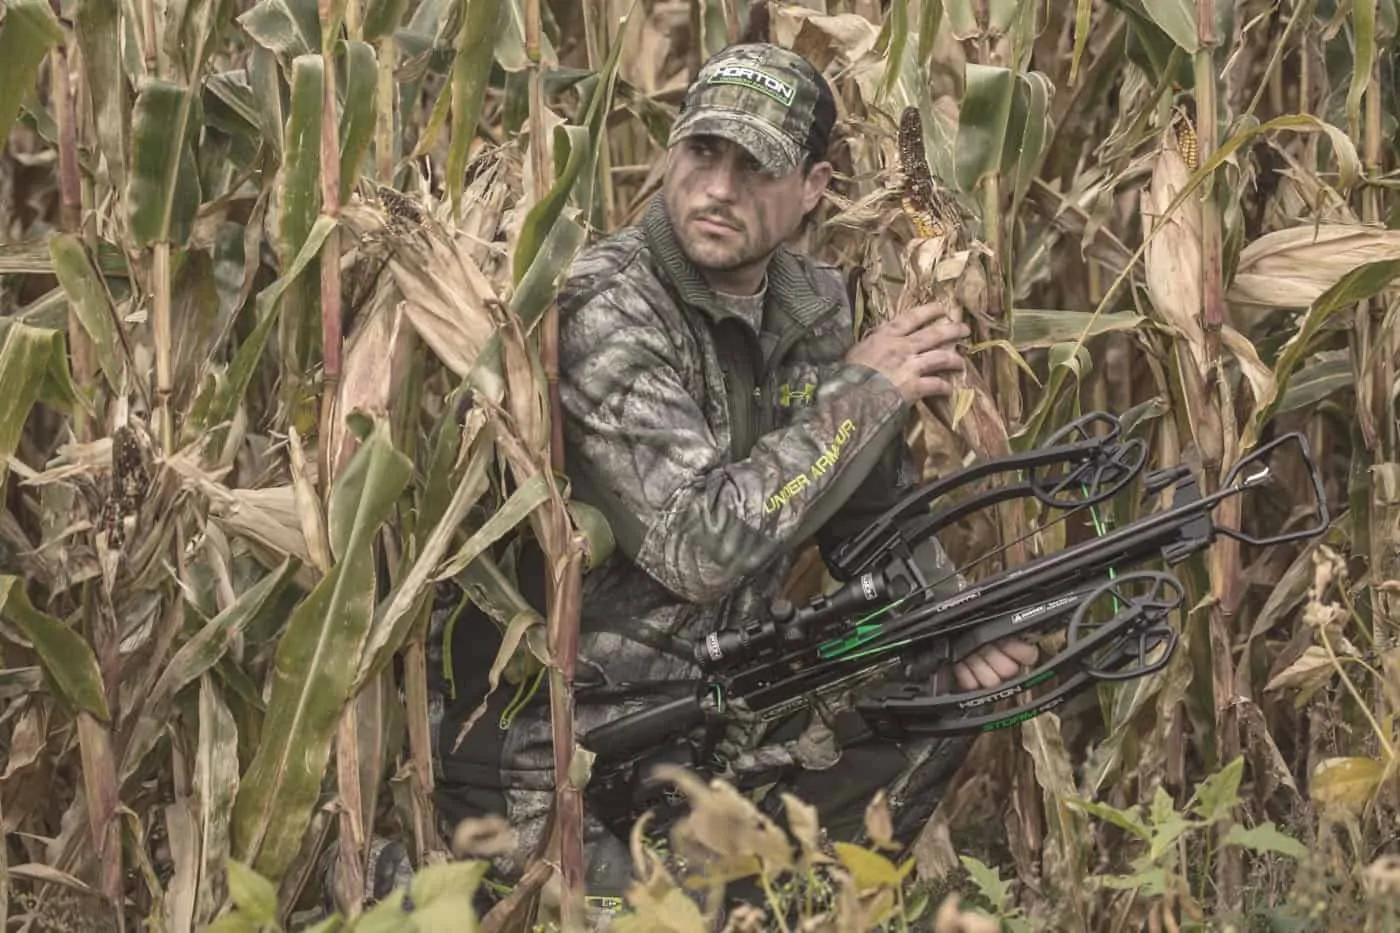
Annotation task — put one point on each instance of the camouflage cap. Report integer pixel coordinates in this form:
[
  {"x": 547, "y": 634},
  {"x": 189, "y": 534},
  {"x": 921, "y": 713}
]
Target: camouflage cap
[{"x": 767, "y": 99}]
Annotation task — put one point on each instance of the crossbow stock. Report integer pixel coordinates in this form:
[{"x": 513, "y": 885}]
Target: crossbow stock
[{"x": 883, "y": 632}]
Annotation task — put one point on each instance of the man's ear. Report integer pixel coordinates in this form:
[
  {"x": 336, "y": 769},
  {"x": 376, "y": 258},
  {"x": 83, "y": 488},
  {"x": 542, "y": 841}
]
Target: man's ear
[{"x": 814, "y": 185}]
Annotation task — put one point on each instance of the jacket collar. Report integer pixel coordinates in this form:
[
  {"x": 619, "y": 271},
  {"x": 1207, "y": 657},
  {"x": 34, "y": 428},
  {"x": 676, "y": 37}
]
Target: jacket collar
[{"x": 792, "y": 297}]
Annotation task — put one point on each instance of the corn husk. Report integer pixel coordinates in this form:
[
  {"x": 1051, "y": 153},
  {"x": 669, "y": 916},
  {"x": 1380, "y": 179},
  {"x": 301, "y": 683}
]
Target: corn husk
[
  {"x": 1292, "y": 268},
  {"x": 1172, "y": 258}
]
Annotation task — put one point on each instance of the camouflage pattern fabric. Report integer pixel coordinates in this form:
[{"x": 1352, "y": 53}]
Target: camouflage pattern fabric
[
  {"x": 767, "y": 99},
  {"x": 715, "y": 453}
]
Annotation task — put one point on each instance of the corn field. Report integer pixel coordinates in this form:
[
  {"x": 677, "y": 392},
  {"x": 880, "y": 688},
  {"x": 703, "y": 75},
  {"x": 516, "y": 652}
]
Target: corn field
[{"x": 277, "y": 353}]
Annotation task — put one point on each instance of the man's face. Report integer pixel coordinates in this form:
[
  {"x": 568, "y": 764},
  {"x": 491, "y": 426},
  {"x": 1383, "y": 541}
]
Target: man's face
[{"x": 729, "y": 214}]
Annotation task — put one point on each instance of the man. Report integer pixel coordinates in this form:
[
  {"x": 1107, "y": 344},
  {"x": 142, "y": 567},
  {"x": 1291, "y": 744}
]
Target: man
[{"x": 718, "y": 414}]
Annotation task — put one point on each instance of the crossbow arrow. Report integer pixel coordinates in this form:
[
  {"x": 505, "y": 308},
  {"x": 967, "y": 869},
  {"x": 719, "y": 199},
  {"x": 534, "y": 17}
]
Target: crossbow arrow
[{"x": 883, "y": 631}]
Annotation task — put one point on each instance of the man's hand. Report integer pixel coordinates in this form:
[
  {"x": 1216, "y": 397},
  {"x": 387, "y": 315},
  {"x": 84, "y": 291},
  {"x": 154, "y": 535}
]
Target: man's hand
[
  {"x": 993, "y": 664},
  {"x": 916, "y": 351}
]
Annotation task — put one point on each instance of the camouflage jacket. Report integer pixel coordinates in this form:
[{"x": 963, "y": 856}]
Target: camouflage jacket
[{"x": 714, "y": 453}]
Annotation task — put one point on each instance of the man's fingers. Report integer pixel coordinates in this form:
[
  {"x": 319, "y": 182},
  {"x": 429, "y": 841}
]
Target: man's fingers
[
  {"x": 917, "y": 317},
  {"x": 940, "y": 333},
  {"x": 1023, "y": 652}
]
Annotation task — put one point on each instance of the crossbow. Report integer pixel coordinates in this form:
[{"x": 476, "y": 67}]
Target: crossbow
[{"x": 886, "y": 628}]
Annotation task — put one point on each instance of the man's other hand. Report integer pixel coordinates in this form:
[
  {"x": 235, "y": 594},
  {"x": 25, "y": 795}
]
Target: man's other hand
[
  {"x": 994, "y": 664},
  {"x": 917, "y": 351}
]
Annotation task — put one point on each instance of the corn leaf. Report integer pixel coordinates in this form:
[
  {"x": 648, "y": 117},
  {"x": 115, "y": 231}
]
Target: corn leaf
[
  {"x": 316, "y": 662},
  {"x": 983, "y": 123},
  {"x": 288, "y": 29},
  {"x": 65, "y": 655},
  {"x": 1363, "y": 14},
  {"x": 382, "y": 18},
  {"x": 29, "y": 31},
  {"x": 1028, "y": 134},
  {"x": 299, "y": 193},
  {"x": 163, "y": 189},
  {"x": 216, "y": 769},
  {"x": 229, "y": 394},
  {"x": 1036, "y": 328},
  {"x": 1316, "y": 381},
  {"x": 87, "y": 295},
  {"x": 194, "y": 659},
  {"x": 1358, "y": 285},
  {"x": 391, "y": 625},
  {"x": 357, "y": 117},
  {"x": 1083, "y": 17},
  {"x": 96, "y": 23},
  {"x": 471, "y": 69},
  {"x": 33, "y": 368},
  {"x": 1177, "y": 18},
  {"x": 32, "y": 257}
]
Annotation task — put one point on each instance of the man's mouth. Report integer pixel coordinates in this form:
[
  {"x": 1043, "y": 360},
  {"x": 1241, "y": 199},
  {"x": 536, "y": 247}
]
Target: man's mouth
[{"x": 713, "y": 224}]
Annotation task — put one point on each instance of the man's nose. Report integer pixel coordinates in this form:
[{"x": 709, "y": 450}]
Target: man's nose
[{"x": 722, "y": 182}]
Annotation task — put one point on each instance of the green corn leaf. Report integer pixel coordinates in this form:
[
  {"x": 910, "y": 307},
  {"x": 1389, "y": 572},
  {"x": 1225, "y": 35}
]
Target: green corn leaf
[
  {"x": 1363, "y": 13},
  {"x": 29, "y": 31},
  {"x": 163, "y": 190},
  {"x": 288, "y": 29},
  {"x": 1028, "y": 134},
  {"x": 357, "y": 117},
  {"x": 930, "y": 19},
  {"x": 97, "y": 21},
  {"x": 63, "y": 652},
  {"x": 1083, "y": 18},
  {"x": 33, "y": 368},
  {"x": 267, "y": 92},
  {"x": 315, "y": 665},
  {"x": 1177, "y": 18},
  {"x": 982, "y": 126},
  {"x": 471, "y": 69},
  {"x": 390, "y": 626},
  {"x": 229, "y": 394},
  {"x": 382, "y": 17},
  {"x": 300, "y": 196},
  {"x": 524, "y": 500},
  {"x": 1317, "y": 381},
  {"x": 1036, "y": 328},
  {"x": 195, "y": 658},
  {"x": 87, "y": 295},
  {"x": 575, "y": 145},
  {"x": 893, "y": 43}
]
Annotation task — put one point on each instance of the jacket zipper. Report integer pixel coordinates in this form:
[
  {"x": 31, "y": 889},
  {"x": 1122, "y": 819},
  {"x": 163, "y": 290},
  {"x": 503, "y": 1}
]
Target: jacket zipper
[{"x": 770, "y": 370}]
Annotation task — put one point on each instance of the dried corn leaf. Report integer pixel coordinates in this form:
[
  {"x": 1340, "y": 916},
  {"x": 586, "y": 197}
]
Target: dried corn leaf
[
  {"x": 1293, "y": 268},
  {"x": 448, "y": 300},
  {"x": 194, "y": 659},
  {"x": 216, "y": 770}
]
